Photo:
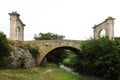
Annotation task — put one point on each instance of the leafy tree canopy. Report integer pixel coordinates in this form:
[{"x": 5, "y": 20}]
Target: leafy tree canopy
[
  {"x": 100, "y": 57},
  {"x": 48, "y": 36}
]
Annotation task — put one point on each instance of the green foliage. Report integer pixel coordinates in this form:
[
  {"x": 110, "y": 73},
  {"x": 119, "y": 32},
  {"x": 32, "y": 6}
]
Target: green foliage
[
  {"x": 38, "y": 73},
  {"x": 23, "y": 58},
  {"x": 66, "y": 57},
  {"x": 33, "y": 50},
  {"x": 5, "y": 49},
  {"x": 71, "y": 59},
  {"x": 48, "y": 36},
  {"x": 100, "y": 57}
]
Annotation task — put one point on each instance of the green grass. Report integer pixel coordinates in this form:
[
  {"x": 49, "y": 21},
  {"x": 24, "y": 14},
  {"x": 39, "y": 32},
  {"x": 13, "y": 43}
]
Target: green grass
[
  {"x": 51, "y": 72},
  {"x": 41, "y": 73}
]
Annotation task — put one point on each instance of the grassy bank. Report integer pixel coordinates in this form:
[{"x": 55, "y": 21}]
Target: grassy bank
[{"x": 41, "y": 73}]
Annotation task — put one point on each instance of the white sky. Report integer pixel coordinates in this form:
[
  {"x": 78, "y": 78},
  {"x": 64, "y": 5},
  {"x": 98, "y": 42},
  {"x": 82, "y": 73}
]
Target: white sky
[{"x": 72, "y": 18}]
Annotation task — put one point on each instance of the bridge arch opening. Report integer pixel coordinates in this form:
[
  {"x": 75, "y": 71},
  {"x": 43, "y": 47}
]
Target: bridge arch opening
[{"x": 57, "y": 55}]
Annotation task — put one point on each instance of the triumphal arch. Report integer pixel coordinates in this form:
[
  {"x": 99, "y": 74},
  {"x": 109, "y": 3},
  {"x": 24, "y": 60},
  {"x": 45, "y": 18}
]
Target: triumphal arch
[
  {"x": 107, "y": 25},
  {"x": 16, "y": 27}
]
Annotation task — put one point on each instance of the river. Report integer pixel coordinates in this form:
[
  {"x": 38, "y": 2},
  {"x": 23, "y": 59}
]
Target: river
[
  {"x": 72, "y": 71},
  {"x": 68, "y": 69}
]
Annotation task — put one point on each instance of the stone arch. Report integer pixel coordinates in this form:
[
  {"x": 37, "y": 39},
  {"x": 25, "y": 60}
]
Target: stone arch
[
  {"x": 107, "y": 25},
  {"x": 75, "y": 50},
  {"x": 45, "y": 46},
  {"x": 16, "y": 27},
  {"x": 102, "y": 32}
]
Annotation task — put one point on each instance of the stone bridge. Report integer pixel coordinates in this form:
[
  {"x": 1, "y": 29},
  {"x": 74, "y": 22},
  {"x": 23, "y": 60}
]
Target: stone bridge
[{"x": 46, "y": 46}]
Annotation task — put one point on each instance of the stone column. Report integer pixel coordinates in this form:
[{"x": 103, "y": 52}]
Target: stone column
[
  {"x": 110, "y": 27},
  {"x": 13, "y": 25},
  {"x": 16, "y": 27}
]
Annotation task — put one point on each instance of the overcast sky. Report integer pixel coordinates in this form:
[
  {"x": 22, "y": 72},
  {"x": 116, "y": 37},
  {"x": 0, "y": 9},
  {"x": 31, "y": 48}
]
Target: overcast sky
[{"x": 71, "y": 18}]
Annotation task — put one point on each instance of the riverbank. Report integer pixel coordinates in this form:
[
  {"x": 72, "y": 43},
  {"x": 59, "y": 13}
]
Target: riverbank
[
  {"x": 38, "y": 73},
  {"x": 87, "y": 77}
]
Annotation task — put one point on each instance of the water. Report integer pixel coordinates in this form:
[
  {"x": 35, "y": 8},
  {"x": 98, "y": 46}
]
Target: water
[{"x": 66, "y": 68}]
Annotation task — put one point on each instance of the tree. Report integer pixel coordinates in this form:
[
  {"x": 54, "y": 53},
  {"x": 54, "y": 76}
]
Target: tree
[
  {"x": 71, "y": 58},
  {"x": 100, "y": 57},
  {"x": 5, "y": 49},
  {"x": 48, "y": 36}
]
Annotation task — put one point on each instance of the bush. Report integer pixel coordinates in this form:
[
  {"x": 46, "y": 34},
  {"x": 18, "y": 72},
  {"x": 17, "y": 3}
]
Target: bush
[
  {"x": 66, "y": 61},
  {"x": 5, "y": 50},
  {"x": 23, "y": 58},
  {"x": 71, "y": 59},
  {"x": 33, "y": 50},
  {"x": 100, "y": 57}
]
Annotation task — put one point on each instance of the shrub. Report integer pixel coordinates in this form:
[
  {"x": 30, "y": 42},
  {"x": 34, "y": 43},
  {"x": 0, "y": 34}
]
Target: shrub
[
  {"x": 66, "y": 61},
  {"x": 32, "y": 48},
  {"x": 5, "y": 50},
  {"x": 71, "y": 59},
  {"x": 23, "y": 58},
  {"x": 101, "y": 57}
]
